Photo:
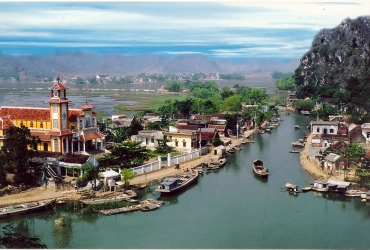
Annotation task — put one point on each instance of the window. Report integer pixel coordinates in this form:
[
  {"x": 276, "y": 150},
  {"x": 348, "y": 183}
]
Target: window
[
  {"x": 184, "y": 143},
  {"x": 368, "y": 135},
  {"x": 331, "y": 131},
  {"x": 31, "y": 124},
  {"x": 56, "y": 145},
  {"x": 45, "y": 147},
  {"x": 87, "y": 118},
  {"x": 93, "y": 122},
  {"x": 73, "y": 127},
  {"x": 318, "y": 130},
  {"x": 55, "y": 108},
  {"x": 41, "y": 125},
  {"x": 176, "y": 143},
  {"x": 81, "y": 124},
  {"x": 152, "y": 140},
  {"x": 55, "y": 123}
]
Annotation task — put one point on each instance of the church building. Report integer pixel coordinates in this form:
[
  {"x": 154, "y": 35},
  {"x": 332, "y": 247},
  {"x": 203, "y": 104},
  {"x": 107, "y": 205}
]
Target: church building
[{"x": 61, "y": 129}]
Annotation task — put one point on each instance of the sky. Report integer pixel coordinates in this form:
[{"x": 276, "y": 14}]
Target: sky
[{"x": 236, "y": 30}]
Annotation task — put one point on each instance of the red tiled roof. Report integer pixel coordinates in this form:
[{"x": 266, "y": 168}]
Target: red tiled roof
[
  {"x": 87, "y": 106},
  {"x": 5, "y": 122},
  {"x": 42, "y": 135},
  {"x": 73, "y": 114},
  {"x": 220, "y": 128},
  {"x": 58, "y": 86},
  {"x": 339, "y": 144},
  {"x": 26, "y": 113},
  {"x": 91, "y": 136},
  {"x": 74, "y": 158},
  {"x": 187, "y": 127},
  {"x": 208, "y": 133}
]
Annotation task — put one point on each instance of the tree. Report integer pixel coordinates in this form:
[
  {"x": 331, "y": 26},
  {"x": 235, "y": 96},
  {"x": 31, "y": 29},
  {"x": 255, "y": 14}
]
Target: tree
[
  {"x": 286, "y": 83},
  {"x": 90, "y": 173},
  {"x": 226, "y": 92},
  {"x": 125, "y": 155},
  {"x": 120, "y": 134},
  {"x": 19, "y": 146},
  {"x": 79, "y": 80},
  {"x": 127, "y": 175},
  {"x": 11, "y": 238}
]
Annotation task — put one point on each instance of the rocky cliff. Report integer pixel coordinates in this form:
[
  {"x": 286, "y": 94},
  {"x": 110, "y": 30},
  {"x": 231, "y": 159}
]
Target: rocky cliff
[{"x": 335, "y": 56}]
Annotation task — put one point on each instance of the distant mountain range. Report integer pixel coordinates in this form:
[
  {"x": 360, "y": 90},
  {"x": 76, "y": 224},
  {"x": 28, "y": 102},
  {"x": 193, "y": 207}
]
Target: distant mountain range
[{"x": 85, "y": 64}]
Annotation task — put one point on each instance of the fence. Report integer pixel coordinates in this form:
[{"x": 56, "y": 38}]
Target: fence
[{"x": 153, "y": 166}]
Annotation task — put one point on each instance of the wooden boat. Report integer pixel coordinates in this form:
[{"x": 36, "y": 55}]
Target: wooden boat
[
  {"x": 354, "y": 193},
  {"x": 170, "y": 185},
  {"x": 306, "y": 189},
  {"x": 100, "y": 200},
  {"x": 296, "y": 127},
  {"x": 259, "y": 169},
  {"x": 292, "y": 188},
  {"x": 216, "y": 164},
  {"x": 231, "y": 150},
  {"x": 24, "y": 208},
  {"x": 149, "y": 207},
  {"x": 120, "y": 210},
  {"x": 320, "y": 186},
  {"x": 299, "y": 143},
  {"x": 294, "y": 151}
]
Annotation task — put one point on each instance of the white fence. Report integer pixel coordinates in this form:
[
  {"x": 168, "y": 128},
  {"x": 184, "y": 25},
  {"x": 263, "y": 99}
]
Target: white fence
[{"x": 171, "y": 161}]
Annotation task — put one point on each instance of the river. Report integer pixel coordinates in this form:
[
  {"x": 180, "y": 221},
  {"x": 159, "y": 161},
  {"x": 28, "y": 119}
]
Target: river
[{"x": 230, "y": 208}]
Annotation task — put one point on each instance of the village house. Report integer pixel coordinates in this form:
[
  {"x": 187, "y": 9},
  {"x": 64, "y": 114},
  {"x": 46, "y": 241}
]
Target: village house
[
  {"x": 182, "y": 140},
  {"x": 61, "y": 129},
  {"x": 324, "y": 127},
  {"x": 332, "y": 163},
  {"x": 148, "y": 138}
]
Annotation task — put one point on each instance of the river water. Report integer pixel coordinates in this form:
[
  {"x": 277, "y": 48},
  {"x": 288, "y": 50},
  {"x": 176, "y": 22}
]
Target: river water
[{"x": 230, "y": 208}]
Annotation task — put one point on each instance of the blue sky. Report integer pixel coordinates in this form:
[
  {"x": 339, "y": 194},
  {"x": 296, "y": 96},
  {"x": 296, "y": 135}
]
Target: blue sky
[{"x": 237, "y": 30}]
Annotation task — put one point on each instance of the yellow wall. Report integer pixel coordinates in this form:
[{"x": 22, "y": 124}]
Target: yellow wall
[
  {"x": 181, "y": 138},
  {"x": 36, "y": 124}
]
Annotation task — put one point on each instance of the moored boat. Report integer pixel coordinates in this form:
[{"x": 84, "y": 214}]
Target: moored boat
[
  {"x": 292, "y": 188},
  {"x": 259, "y": 169},
  {"x": 300, "y": 143},
  {"x": 116, "y": 198},
  {"x": 296, "y": 127},
  {"x": 216, "y": 164},
  {"x": 24, "y": 208},
  {"x": 354, "y": 193},
  {"x": 171, "y": 185}
]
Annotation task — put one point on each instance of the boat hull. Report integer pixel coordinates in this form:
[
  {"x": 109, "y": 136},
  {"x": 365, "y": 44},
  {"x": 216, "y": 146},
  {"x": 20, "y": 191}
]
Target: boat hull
[
  {"x": 192, "y": 179},
  {"x": 24, "y": 208},
  {"x": 259, "y": 170}
]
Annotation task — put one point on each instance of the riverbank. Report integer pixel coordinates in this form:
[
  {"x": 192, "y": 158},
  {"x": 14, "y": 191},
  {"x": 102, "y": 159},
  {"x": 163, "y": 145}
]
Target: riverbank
[{"x": 42, "y": 193}]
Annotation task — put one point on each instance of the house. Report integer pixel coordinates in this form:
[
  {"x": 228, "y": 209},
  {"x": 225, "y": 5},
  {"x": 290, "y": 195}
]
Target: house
[
  {"x": 324, "y": 127},
  {"x": 182, "y": 140},
  {"x": 340, "y": 146},
  {"x": 316, "y": 140},
  {"x": 330, "y": 139},
  {"x": 366, "y": 131},
  {"x": 324, "y": 100},
  {"x": 338, "y": 186},
  {"x": 60, "y": 128},
  {"x": 292, "y": 98},
  {"x": 148, "y": 138},
  {"x": 333, "y": 163},
  {"x": 356, "y": 136},
  {"x": 219, "y": 125}
]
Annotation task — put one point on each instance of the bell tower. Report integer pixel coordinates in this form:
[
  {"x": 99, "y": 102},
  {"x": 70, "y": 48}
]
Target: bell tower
[{"x": 58, "y": 105}]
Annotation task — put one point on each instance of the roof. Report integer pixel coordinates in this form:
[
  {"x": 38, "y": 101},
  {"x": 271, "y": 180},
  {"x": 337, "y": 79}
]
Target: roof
[
  {"x": 339, "y": 183},
  {"x": 332, "y": 157},
  {"x": 58, "y": 86},
  {"x": 5, "y": 122},
  {"x": 220, "y": 128},
  {"x": 91, "y": 136},
  {"x": 59, "y": 133},
  {"x": 41, "y": 135},
  {"x": 26, "y": 113},
  {"x": 365, "y": 126},
  {"x": 324, "y": 99},
  {"x": 208, "y": 134},
  {"x": 109, "y": 173},
  {"x": 356, "y": 131},
  {"x": 334, "y": 123},
  {"x": 87, "y": 106},
  {"x": 187, "y": 127},
  {"x": 339, "y": 144}
]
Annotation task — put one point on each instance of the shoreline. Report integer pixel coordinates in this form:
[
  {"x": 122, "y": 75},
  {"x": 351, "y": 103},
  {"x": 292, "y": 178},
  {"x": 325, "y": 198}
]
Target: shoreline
[{"x": 43, "y": 193}]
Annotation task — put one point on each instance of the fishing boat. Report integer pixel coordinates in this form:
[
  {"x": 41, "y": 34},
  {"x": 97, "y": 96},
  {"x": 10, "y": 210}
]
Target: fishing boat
[
  {"x": 300, "y": 143},
  {"x": 24, "y": 208},
  {"x": 116, "y": 198},
  {"x": 306, "y": 189},
  {"x": 296, "y": 127},
  {"x": 354, "y": 193},
  {"x": 292, "y": 188},
  {"x": 231, "y": 150},
  {"x": 216, "y": 164},
  {"x": 170, "y": 185},
  {"x": 259, "y": 169}
]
